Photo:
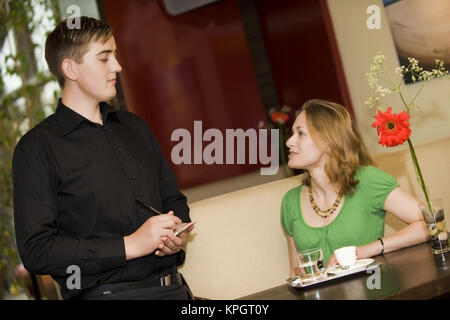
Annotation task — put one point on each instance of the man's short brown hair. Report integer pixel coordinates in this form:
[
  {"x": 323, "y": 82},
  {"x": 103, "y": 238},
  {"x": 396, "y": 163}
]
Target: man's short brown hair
[{"x": 68, "y": 41}]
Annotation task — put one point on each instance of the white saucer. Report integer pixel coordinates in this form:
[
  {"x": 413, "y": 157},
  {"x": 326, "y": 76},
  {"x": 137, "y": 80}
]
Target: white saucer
[{"x": 360, "y": 264}]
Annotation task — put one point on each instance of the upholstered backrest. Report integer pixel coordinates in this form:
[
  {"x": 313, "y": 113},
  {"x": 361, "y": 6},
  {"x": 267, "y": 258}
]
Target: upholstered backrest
[{"x": 238, "y": 246}]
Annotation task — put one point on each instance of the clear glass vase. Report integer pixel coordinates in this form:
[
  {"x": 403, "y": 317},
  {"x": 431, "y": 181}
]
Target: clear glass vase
[{"x": 436, "y": 226}]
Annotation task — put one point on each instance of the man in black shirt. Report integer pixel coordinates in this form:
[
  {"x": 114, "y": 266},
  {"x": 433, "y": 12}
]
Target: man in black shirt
[{"x": 85, "y": 180}]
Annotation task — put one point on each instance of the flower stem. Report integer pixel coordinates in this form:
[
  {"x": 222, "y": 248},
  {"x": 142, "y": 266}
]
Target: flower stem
[
  {"x": 404, "y": 102},
  {"x": 412, "y": 101},
  {"x": 419, "y": 174}
]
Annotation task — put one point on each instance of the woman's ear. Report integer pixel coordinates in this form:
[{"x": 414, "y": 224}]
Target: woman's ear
[{"x": 69, "y": 69}]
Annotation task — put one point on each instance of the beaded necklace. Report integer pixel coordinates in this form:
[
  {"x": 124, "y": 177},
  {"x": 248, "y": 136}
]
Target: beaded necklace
[{"x": 324, "y": 213}]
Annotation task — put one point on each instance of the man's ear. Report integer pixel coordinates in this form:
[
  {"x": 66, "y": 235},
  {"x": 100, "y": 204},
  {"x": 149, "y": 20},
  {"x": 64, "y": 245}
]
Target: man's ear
[{"x": 69, "y": 69}]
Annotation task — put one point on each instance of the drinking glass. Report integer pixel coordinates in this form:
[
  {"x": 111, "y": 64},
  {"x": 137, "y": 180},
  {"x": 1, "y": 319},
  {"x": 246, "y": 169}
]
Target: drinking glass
[{"x": 310, "y": 265}]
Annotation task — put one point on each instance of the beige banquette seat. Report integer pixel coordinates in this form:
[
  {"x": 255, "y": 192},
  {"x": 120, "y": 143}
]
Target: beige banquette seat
[{"x": 238, "y": 246}]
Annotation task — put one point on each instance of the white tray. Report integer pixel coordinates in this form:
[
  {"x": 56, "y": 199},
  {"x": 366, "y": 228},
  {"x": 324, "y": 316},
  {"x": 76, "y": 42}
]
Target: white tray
[{"x": 295, "y": 282}]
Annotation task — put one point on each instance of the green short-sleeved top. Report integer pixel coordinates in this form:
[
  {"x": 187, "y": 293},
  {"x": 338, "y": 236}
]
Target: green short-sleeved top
[{"x": 360, "y": 221}]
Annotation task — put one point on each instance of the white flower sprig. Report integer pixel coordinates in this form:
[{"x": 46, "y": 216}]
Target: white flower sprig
[
  {"x": 377, "y": 70},
  {"x": 375, "y": 77}
]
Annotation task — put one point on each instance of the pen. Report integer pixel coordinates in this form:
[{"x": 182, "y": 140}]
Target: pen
[
  {"x": 146, "y": 206},
  {"x": 177, "y": 232}
]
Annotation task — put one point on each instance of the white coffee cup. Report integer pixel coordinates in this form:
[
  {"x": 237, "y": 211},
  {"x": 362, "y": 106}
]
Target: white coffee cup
[{"x": 346, "y": 256}]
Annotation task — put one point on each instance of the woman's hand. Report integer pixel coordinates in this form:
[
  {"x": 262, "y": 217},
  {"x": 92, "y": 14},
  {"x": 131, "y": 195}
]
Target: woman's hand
[{"x": 332, "y": 261}]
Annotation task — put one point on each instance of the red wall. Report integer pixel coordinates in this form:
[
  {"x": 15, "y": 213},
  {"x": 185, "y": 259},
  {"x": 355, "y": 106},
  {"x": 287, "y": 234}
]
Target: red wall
[
  {"x": 299, "y": 50},
  {"x": 195, "y": 66}
]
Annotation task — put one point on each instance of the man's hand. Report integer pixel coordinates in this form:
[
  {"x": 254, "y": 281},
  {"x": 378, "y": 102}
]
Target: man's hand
[
  {"x": 172, "y": 244},
  {"x": 149, "y": 236}
]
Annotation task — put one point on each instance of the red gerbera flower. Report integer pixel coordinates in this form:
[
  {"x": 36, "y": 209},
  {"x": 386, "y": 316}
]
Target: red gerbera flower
[
  {"x": 393, "y": 129},
  {"x": 279, "y": 117}
]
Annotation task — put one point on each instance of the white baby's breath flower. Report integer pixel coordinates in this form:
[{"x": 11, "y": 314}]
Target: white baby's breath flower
[
  {"x": 386, "y": 91},
  {"x": 379, "y": 59},
  {"x": 439, "y": 64},
  {"x": 413, "y": 64},
  {"x": 416, "y": 72},
  {"x": 373, "y": 102},
  {"x": 372, "y": 79},
  {"x": 426, "y": 75}
]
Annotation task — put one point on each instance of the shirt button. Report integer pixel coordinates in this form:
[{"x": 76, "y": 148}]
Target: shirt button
[{"x": 133, "y": 177}]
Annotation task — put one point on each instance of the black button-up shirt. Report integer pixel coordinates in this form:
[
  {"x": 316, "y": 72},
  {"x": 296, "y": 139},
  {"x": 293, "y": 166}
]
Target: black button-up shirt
[{"x": 75, "y": 185}]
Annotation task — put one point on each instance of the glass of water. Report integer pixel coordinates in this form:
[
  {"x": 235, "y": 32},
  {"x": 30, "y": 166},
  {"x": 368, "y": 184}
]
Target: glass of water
[{"x": 310, "y": 265}]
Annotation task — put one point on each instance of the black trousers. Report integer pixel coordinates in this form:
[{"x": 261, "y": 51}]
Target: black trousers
[
  {"x": 172, "y": 292},
  {"x": 147, "y": 289}
]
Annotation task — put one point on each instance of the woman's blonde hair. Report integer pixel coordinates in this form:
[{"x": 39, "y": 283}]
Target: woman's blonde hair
[{"x": 332, "y": 124}]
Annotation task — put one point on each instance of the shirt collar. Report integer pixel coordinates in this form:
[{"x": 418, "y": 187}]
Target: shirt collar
[{"x": 69, "y": 120}]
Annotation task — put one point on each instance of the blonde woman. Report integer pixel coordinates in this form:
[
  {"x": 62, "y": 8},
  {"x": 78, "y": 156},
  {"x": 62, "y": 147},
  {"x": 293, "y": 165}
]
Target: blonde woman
[{"x": 343, "y": 198}]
